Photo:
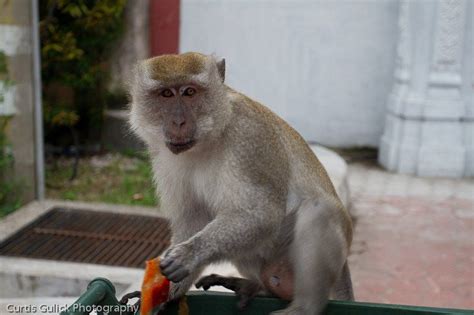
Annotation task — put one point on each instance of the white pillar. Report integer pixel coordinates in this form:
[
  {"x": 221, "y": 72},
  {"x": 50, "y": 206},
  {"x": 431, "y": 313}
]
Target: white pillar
[{"x": 430, "y": 116}]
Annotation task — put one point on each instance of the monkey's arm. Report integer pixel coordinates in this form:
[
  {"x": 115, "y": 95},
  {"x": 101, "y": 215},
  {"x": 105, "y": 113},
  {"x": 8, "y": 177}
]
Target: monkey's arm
[
  {"x": 231, "y": 233},
  {"x": 184, "y": 227}
]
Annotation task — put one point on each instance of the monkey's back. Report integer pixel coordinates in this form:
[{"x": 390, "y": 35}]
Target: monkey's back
[
  {"x": 305, "y": 170},
  {"x": 290, "y": 155}
]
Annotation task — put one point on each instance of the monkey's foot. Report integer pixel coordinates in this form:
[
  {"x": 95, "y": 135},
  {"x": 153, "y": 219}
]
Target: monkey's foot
[
  {"x": 245, "y": 289},
  {"x": 137, "y": 294},
  {"x": 131, "y": 295}
]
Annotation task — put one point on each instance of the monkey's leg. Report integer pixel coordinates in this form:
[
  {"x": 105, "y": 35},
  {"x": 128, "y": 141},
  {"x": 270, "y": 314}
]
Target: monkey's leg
[
  {"x": 319, "y": 251},
  {"x": 342, "y": 289},
  {"x": 245, "y": 289}
]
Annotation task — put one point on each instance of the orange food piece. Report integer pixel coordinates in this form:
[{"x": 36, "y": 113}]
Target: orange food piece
[
  {"x": 183, "y": 308},
  {"x": 155, "y": 287}
]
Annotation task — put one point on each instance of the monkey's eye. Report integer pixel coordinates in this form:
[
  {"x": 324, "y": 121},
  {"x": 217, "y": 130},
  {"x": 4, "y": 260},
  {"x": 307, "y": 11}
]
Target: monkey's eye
[
  {"x": 167, "y": 93},
  {"x": 189, "y": 91}
]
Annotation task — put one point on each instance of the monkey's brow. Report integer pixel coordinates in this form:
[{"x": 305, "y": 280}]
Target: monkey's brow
[{"x": 178, "y": 86}]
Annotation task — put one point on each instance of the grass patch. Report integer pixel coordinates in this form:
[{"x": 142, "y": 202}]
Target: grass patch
[
  {"x": 110, "y": 178},
  {"x": 11, "y": 188},
  {"x": 10, "y": 198}
]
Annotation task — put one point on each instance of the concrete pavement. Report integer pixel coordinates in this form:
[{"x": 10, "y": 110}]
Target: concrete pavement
[{"x": 414, "y": 238}]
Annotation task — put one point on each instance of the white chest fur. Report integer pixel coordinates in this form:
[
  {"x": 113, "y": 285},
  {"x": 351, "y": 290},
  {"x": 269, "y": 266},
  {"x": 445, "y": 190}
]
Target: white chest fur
[{"x": 185, "y": 179}]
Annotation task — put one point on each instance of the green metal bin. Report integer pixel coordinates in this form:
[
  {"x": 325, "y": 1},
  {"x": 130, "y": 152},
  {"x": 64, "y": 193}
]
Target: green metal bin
[{"x": 101, "y": 292}]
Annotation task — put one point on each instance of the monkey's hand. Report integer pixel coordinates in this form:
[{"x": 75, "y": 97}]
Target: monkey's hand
[{"x": 178, "y": 262}]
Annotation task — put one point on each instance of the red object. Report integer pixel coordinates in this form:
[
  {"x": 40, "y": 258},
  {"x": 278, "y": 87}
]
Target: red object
[
  {"x": 155, "y": 287},
  {"x": 164, "y": 27}
]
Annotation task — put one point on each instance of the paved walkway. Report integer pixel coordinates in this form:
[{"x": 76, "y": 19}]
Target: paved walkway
[{"x": 414, "y": 238}]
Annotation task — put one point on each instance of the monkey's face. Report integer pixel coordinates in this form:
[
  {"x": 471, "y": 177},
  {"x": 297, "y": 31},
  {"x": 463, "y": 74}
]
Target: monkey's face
[
  {"x": 176, "y": 100},
  {"x": 178, "y": 109}
]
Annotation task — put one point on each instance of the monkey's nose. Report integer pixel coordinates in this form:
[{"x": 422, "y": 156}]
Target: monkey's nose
[{"x": 179, "y": 122}]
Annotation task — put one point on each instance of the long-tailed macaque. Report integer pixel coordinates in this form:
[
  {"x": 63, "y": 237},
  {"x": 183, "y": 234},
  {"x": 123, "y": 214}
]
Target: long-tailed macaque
[{"x": 238, "y": 184}]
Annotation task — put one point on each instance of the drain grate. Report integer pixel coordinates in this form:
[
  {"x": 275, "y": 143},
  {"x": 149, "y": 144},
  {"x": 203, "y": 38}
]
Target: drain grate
[{"x": 90, "y": 237}]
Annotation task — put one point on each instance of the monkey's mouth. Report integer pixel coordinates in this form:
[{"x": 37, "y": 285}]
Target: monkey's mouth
[{"x": 178, "y": 146}]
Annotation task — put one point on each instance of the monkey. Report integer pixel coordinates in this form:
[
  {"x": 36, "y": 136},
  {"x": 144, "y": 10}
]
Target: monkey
[{"x": 238, "y": 184}]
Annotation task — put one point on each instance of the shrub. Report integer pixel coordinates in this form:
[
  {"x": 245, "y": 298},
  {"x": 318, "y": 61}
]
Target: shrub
[
  {"x": 10, "y": 189},
  {"x": 76, "y": 41}
]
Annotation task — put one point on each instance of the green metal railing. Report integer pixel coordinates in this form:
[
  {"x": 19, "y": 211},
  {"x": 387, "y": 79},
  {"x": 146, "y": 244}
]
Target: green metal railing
[{"x": 101, "y": 295}]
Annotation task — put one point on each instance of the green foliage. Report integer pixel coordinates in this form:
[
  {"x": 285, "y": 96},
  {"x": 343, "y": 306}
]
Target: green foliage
[
  {"x": 60, "y": 115},
  {"x": 10, "y": 190},
  {"x": 4, "y": 78},
  {"x": 3, "y": 63},
  {"x": 76, "y": 39},
  {"x": 117, "y": 100}
]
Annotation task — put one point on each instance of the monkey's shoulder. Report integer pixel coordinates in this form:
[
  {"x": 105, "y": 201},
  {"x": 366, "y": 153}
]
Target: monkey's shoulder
[
  {"x": 260, "y": 126},
  {"x": 255, "y": 127},
  {"x": 244, "y": 105},
  {"x": 264, "y": 119},
  {"x": 255, "y": 143}
]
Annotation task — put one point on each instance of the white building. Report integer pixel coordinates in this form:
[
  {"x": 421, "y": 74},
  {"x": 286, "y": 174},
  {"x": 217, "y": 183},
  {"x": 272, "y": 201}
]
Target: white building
[{"x": 397, "y": 75}]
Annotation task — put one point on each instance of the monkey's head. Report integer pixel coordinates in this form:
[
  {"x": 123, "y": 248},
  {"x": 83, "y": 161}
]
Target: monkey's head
[{"x": 179, "y": 100}]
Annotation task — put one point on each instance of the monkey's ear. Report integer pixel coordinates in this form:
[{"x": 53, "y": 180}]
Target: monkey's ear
[{"x": 221, "y": 69}]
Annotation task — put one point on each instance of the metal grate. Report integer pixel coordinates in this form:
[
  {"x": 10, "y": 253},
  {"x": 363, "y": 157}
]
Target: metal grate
[{"x": 90, "y": 237}]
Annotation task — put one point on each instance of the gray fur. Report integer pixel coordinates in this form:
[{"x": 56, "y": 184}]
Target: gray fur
[
  {"x": 342, "y": 289},
  {"x": 249, "y": 190}
]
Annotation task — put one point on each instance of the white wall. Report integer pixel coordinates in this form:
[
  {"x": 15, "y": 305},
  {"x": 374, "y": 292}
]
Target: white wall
[{"x": 324, "y": 66}]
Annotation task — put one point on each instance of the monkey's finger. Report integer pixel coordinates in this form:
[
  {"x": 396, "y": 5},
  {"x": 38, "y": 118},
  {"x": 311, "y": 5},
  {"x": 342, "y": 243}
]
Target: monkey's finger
[
  {"x": 201, "y": 284},
  {"x": 209, "y": 281},
  {"x": 165, "y": 262},
  {"x": 203, "y": 281},
  {"x": 178, "y": 275},
  {"x": 171, "y": 268}
]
